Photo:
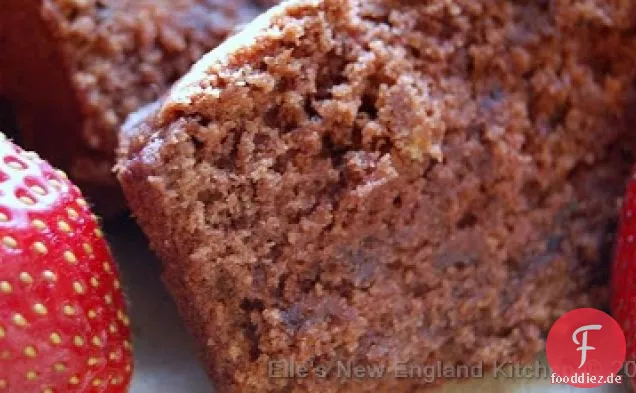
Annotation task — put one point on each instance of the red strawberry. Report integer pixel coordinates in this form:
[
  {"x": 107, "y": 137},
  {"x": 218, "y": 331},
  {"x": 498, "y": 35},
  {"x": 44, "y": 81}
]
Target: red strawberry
[
  {"x": 624, "y": 272},
  {"x": 63, "y": 323}
]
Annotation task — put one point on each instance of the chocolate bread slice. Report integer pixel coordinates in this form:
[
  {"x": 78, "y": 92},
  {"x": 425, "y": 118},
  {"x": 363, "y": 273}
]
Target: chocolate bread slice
[
  {"x": 363, "y": 183},
  {"x": 74, "y": 69}
]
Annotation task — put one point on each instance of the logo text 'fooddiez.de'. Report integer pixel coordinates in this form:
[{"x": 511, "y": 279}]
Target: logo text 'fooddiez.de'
[{"x": 586, "y": 348}]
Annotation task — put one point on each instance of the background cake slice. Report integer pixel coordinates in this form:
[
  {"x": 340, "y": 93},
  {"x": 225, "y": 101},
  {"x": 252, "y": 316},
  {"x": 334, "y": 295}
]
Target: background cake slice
[
  {"x": 388, "y": 181},
  {"x": 74, "y": 69}
]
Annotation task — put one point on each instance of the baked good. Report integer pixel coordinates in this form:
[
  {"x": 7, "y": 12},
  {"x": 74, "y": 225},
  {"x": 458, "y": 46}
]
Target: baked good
[
  {"x": 75, "y": 69},
  {"x": 387, "y": 181}
]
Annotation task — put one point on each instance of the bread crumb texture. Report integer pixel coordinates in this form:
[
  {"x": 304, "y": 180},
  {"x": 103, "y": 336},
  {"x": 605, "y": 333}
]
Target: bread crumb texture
[
  {"x": 75, "y": 69},
  {"x": 388, "y": 180}
]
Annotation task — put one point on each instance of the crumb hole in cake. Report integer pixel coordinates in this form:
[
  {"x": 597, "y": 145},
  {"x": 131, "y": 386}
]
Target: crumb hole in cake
[
  {"x": 270, "y": 118},
  {"x": 210, "y": 196},
  {"x": 332, "y": 74},
  {"x": 252, "y": 304},
  {"x": 203, "y": 122},
  {"x": 311, "y": 112},
  {"x": 283, "y": 161},
  {"x": 100, "y": 5},
  {"x": 512, "y": 262},
  {"x": 198, "y": 145},
  {"x": 308, "y": 284},
  {"x": 356, "y": 139},
  {"x": 397, "y": 202},
  {"x": 251, "y": 333},
  {"x": 334, "y": 152},
  {"x": 558, "y": 115},
  {"x": 280, "y": 288},
  {"x": 532, "y": 192},
  {"x": 250, "y": 329},
  {"x": 260, "y": 140},
  {"x": 468, "y": 220},
  {"x": 368, "y": 104}
]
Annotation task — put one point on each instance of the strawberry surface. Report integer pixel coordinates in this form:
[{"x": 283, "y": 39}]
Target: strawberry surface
[
  {"x": 63, "y": 321},
  {"x": 624, "y": 272}
]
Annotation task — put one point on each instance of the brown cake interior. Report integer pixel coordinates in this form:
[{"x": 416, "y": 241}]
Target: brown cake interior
[{"x": 388, "y": 180}]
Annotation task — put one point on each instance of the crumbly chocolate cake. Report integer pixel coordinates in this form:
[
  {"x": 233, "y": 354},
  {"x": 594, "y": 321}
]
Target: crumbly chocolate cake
[
  {"x": 382, "y": 181},
  {"x": 75, "y": 69}
]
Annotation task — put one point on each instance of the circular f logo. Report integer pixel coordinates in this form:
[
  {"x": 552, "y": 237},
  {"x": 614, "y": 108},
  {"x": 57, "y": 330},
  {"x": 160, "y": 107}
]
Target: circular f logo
[{"x": 585, "y": 347}]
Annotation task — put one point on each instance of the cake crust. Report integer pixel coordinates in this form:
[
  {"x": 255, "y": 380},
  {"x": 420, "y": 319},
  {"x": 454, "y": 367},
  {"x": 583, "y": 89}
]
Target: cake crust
[{"x": 387, "y": 181}]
